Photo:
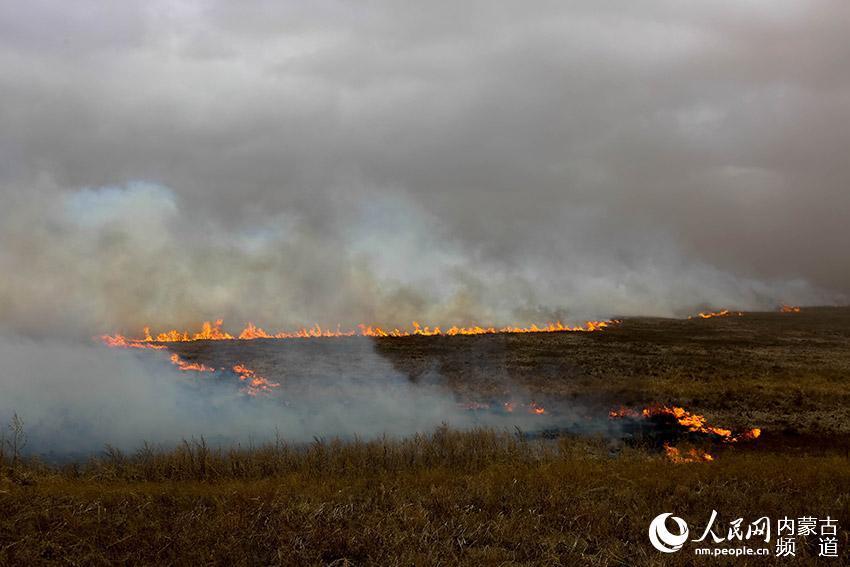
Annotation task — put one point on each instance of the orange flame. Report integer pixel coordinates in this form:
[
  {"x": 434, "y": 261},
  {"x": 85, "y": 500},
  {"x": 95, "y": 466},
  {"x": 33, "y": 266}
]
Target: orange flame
[
  {"x": 750, "y": 435},
  {"x": 690, "y": 421},
  {"x": 120, "y": 341},
  {"x": 713, "y": 314},
  {"x": 789, "y": 309},
  {"x": 213, "y": 332},
  {"x": 256, "y": 384},
  {"x": 693, "y": 455},
  {"x": 622, "y": 412},
  {"x": 189, "y": 366}
]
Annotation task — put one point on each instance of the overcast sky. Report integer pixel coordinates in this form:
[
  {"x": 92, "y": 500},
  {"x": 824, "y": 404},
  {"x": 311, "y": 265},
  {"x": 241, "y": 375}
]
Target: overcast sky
[{"x": 297, "y": 162}]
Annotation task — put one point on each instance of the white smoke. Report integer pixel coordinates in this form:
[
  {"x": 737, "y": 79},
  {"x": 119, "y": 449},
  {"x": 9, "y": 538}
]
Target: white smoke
[
  {"x": 75, "y": 399},
  {"x": 117, "y": 258}
]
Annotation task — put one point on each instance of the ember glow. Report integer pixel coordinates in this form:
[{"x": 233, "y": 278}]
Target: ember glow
[
  {"x": 212, "y": 331},
  {"x": 691, "y": 455},
  {"x": 789, "y": 309}
]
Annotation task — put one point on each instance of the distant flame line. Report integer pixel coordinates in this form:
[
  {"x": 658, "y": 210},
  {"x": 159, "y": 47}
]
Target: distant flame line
[
  {"x": 713, "y": 314},
  {"x": 212, "y": 331},
  {"x": 783, "y": 308}
]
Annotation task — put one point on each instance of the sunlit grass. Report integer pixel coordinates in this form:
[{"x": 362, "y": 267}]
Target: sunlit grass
[{"x": 449, "y": 497}]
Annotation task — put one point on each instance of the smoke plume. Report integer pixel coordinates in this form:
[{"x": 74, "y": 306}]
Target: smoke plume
[{"x": 493, "y": 163}]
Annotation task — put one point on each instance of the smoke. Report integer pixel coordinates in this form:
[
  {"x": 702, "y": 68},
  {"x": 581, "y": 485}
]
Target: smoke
[
  {"x": 491, "y": 163},
  {"x": 117, "y": 258},
  {"x": 496, "y": 163},
  {"x": 75, "y": 399}
]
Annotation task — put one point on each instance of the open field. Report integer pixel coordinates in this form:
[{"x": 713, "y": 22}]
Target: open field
[
  {"x": 478, "y": 497},
  {"x": 451, "y": 499},
  {"x": 785, "y": 372},
  {"x": 775, "y": 370}
]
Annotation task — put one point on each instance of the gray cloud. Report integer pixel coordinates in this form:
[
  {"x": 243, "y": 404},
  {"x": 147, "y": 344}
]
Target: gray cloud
[{"x": 337, "y": 162}]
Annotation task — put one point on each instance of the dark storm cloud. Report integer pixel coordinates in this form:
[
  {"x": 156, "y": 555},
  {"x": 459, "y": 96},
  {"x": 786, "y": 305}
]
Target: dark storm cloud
[{"x": 351, "y": 161}]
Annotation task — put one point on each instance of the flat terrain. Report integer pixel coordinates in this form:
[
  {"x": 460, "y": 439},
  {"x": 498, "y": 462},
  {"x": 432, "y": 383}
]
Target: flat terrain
[
  {"x": 478, "y": 497},
  {"x": 787, "y": 373},
  {"x": 784, "y": 372}
]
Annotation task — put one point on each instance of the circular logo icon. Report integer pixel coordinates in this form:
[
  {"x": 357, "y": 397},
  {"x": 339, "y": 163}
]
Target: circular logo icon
[{"x": 662, "y": 539}]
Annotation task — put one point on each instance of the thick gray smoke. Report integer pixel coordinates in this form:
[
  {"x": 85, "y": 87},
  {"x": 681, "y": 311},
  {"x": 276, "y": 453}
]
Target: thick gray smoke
[
  {"x": 75, "y": 399},
  {"x": 292, "y": 163},
  {"x": 116, "y": 258},
  {"x": 328, "y": 163}
]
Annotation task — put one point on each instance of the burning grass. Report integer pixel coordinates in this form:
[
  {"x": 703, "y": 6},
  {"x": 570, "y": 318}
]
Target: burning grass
[
  {"x": 484, "y": 496},
  {"x": 713, "y": 314},
  {"x": 662, "y": 425},
  {"x": 212, "y": 331}
]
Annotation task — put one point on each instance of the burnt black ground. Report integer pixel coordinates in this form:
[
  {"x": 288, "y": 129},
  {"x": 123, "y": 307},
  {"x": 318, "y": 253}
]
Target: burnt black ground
[{"x": 788, "y": 373}]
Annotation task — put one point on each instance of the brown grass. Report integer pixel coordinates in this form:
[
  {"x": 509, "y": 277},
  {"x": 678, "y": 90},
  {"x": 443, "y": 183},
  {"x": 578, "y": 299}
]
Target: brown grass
[
  {"x": 480, "y": 497},
  {"x": 448, "y": 498}
]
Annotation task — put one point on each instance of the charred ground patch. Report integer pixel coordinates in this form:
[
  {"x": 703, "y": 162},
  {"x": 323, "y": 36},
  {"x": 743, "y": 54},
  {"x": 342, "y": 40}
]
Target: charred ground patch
[{"x": 784, "y": 372}]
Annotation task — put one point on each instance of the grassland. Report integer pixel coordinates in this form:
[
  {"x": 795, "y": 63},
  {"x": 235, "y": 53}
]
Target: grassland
[
  {"x": 448, "y": 498},
  {"x": 481, "y": 497},
  {"x": 785, "y": 372}
]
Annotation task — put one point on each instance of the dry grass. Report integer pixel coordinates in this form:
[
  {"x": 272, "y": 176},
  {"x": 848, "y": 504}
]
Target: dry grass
[
  {"x": 449, "y": 498},
  {"x": 479, "y": 497}
]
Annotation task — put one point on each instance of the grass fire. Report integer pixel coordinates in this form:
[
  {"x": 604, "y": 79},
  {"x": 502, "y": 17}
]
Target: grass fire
[
  {"x": 424, "y": 283},
  {"x": 630, "y": 415}
]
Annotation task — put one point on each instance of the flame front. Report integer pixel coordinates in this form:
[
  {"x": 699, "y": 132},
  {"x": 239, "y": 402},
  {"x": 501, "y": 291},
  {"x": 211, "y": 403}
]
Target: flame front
[
  {"x": 212, "y": 331},
  {"x": 120, "y": 341},
  {"x": 189, "y": 366},
  {"x": 789, "y": 309},
  {"x": 254, "y": 383},
  {"x": 697, "y": 423},
  {"x": 691, "y": 422}
]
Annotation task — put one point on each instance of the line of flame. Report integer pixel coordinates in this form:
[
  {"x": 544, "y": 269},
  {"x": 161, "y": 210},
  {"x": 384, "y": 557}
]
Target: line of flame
[
  {"x": 212, "y": 331},
  {"x": 691, "y": 421},
  {"x": 254, "y": 383},
  {"x": 713, "y": 314}
]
